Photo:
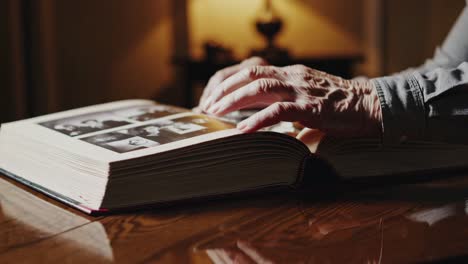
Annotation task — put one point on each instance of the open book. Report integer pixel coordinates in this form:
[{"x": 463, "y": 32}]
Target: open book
[{"x": 135, "y": 153}]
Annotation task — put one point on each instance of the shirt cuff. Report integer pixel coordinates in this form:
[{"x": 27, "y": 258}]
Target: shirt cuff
[{"x": 402, "y": 103}]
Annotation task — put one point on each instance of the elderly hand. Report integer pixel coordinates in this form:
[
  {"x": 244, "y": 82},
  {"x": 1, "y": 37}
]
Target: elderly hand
[
  {"x": 225, "y": 73},
  {"x": 335, "y": 106}
]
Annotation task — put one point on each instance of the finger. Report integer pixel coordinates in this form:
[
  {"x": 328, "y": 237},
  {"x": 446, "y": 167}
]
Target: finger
[
  {"x": 261, "y": 91},
  {"x": 282, "y": 111},
  {"x": 240, "y": 79},
  {"x": 311, "y": 137},
  {"x": 254, "y": 61},
  {"x": 218, "y": 78},
  {"x": 197, "y": 110},
  {"x": 222, "y": 75}
]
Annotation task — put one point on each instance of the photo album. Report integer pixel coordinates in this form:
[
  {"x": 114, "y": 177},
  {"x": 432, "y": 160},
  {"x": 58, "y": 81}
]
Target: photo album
[{"x": 139, "y": 153}]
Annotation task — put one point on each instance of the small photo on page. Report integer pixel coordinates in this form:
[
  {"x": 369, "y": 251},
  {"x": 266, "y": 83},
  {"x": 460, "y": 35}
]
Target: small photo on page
[
  {"x": 130, "y": 144},
  {"x": 85, "y": 124},
  {"x": 146, "y": 113},
  {"x": 155, "y": 131},
  {"x": 120, "y": 142},
  {"x": 199, "y": 124},
  {"x": 182, "y": 128}
]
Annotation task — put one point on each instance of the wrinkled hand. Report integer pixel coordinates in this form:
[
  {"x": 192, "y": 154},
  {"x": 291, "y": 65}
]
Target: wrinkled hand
[
  {"x": 225, "y": 73},
  {"x": 335, "y": 106}
]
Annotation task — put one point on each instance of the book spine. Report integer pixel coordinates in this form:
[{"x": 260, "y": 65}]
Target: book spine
[
  {"x": 315, "y": 171},
  {"x": 302, "y": 171}
]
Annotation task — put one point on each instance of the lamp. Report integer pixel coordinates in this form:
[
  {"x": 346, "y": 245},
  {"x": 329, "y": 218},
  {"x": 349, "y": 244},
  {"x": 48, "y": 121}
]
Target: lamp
[{"x": 269, "y": 24}]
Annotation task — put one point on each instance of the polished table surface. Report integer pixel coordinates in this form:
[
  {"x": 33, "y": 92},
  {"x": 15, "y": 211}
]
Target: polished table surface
[{"x": 397, "y": 223}]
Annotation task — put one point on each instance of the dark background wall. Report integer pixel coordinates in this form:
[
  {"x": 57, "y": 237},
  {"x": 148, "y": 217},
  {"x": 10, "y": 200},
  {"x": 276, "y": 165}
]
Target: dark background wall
[
  {"x": 415, "y": 28},
  {"x": 5, "y": 67},
  {"x": 87, "y": 52}
]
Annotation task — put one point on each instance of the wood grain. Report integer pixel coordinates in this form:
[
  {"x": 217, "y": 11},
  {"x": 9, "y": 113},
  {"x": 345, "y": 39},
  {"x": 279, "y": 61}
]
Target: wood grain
[
  {"x": 403, "y": 223},
  {"x": 26, "y": 219}
]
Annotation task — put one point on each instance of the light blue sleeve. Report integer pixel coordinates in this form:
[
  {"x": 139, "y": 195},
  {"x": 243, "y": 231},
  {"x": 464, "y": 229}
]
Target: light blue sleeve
[{"x": 430, "y": 102}]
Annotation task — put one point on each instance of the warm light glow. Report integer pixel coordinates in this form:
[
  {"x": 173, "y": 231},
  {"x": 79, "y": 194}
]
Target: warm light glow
[
  {"x": 149, "y": 59},
  {"x": 310, "y": 32},
  {"x": 144, "y": 66},
  {"x": 229, "y": 22},
  {"x": 306, "y": 30}
]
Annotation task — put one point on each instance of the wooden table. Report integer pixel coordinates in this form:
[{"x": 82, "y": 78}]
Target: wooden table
[{"x": 400, "y": 223}]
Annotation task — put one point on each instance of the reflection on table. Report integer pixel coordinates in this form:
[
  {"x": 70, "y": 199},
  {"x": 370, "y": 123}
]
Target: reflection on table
[{"x": 397, "y": 223}]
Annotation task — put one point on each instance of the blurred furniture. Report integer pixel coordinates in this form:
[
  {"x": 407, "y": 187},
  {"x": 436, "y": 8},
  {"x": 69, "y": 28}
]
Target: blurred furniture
[
  {"x": 200, "y": 70},
  {"x": 388, "y": 222}
]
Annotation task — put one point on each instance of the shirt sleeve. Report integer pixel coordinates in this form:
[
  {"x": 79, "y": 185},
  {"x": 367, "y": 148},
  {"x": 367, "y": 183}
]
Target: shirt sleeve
[{"x": 429, "y": 102}]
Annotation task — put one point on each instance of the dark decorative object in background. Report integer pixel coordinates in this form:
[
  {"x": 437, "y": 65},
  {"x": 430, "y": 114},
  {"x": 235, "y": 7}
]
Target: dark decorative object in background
[
  {"x": 269, "y": 24},
  {"x": 217, "y": 53}
]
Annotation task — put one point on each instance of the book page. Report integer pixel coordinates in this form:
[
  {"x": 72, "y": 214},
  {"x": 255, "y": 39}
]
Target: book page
[
  {"x": 289, "y": 128},
  {"x": 122, "y": 130}
]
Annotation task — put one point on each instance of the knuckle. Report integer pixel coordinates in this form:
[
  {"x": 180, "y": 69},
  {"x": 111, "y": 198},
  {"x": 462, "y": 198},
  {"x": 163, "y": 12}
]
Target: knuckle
[
  {"x": 272, "y": 71},
  {"x": 255, "y": 60},
  {"x": 299, "y": 68},
  {"x": 245, "y": 73},
  {"x": 263, "y": 86},
  {"x": 234, "y": 98},
  {"x": 219, "y": 75},
  {"x": 279, "y": 108},
  {"x": 261, "y": 61},
  {"x": 217, "y": 78},
  {"x": 224, "y": 90},
  {"x": 313, "y": 107},
  {"x": 254, "y": 71},
  {"x": 266, "y": 86}
]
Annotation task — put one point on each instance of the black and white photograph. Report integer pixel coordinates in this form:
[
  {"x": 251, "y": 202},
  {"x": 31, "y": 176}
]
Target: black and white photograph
[
  {"x": 194, "y": 125},
  {"x": 105, "y": 138},
  {"x": 121, "y": 141},
  {"x": 157, "y": 133},
  {"x": 85, "y": 124},
  {"x": 135, "y": 138},
  {"x": 182, "y": 128},
  {"x": 146, "y": 113},
  {"x": 166, "y": 131},
  {"x": 130, "y": 144}
]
